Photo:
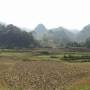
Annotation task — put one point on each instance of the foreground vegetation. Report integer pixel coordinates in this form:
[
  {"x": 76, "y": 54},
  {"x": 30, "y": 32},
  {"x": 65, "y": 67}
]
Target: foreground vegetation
[{"x": 43, "y": 69}]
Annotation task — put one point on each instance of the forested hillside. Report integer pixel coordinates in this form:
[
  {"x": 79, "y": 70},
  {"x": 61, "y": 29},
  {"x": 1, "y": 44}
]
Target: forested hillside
[{"x": 13, "y": 37}]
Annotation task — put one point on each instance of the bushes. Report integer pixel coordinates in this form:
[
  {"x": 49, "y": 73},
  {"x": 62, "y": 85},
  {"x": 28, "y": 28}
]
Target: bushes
[
  {"x": 53, "y": 56},
  {"x": 71, "y": 57},
  {"x": 45, "y": 53}
]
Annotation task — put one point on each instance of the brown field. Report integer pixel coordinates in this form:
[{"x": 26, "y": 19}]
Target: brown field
[
  {"x": 18, "y": 74},
  {"x": 42, "y": 75}
]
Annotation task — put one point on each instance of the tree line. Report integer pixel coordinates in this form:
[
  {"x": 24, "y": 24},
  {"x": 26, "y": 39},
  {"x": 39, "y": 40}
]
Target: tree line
[{"x": 79, "y": 44}]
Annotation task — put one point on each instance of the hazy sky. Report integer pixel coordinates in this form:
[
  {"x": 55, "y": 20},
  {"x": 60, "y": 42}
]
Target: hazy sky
[{"x": 72, "y": 14}]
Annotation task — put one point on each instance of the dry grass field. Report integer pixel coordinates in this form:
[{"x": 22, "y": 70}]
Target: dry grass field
[{"x": 27, "y": 71}]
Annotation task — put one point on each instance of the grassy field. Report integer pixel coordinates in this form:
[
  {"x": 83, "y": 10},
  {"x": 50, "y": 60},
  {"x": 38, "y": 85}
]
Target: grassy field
[{"x": 44, "y": 70}]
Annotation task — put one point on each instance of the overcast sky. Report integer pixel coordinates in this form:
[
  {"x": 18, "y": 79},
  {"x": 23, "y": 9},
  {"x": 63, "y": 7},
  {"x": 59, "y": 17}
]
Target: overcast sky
[{"x": 71, "y": 14}]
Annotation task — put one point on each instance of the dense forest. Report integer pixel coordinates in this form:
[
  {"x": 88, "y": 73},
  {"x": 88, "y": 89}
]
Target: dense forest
[{"x": 13, "y": 37}]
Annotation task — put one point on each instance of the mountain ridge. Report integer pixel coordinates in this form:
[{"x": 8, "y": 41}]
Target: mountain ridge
[{"x": 60, "y": 35}]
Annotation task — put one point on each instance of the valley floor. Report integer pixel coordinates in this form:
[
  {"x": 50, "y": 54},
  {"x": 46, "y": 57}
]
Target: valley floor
[{"x": 34, "y": 71}]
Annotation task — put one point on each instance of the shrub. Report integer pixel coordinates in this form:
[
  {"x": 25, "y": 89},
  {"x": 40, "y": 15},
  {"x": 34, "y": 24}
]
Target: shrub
[
  {"x": 45, "y": 52},
  {"x": 82, "y": 58},
  {"x": 53, "y": 57}
]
